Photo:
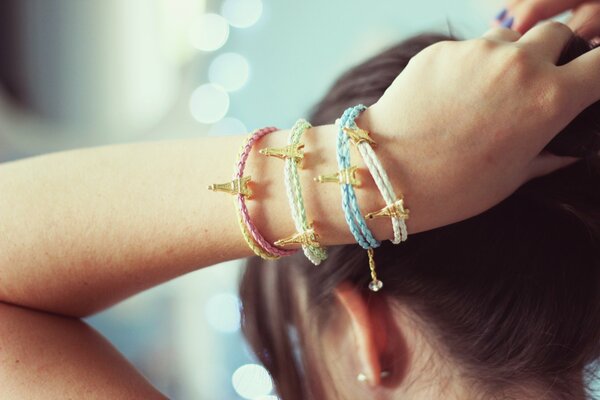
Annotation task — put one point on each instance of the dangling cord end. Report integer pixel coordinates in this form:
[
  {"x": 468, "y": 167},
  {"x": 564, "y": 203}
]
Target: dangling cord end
[{"x": 376, "y": 284}]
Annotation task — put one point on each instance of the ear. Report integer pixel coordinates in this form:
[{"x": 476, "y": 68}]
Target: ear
[{"x": 368, "y": 324}]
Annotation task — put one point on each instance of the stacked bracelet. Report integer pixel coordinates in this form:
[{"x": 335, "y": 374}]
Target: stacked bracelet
[
  {"x": 293, "y": 155},
  {"x": 394, "y": 206},
  {"x": 346, "y": 177},
  {"x": 239, "y": 187}
]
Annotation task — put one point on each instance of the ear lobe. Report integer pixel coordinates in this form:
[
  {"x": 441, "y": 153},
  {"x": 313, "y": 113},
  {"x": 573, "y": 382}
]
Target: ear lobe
[{"x": 368, "y": 326}]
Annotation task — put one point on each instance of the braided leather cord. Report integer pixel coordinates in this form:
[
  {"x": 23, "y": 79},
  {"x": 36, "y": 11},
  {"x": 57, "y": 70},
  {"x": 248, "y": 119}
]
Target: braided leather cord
[
  {"x": 354, "y": 218},
  {"x": 259, "y": 245},
  {"x": 316, "y": 254},
  {"x": 259, "y": 251},
  {"x": 381, "y": 179}
]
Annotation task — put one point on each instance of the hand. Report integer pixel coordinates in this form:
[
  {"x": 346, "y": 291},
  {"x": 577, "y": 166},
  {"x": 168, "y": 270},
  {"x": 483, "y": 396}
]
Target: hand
[
  {"x": 585, "y": 19},
  {"x": 470, "y": 119}
]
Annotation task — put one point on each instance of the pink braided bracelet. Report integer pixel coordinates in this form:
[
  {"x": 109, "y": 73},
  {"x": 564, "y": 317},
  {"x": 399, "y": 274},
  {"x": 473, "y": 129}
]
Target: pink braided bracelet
[{"x": 238, "y": 175}]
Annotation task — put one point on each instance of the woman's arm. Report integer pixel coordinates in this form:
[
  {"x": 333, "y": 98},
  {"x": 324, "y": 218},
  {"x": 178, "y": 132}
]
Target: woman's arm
[
  {"x": 83, "y": 229},
  {"x": 458, "y": 131},
  {"x": 44, "y": 356}
]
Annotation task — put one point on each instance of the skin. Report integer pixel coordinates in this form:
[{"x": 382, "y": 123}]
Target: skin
[
  {"x": 388, "y": 336},
  {"x": 585, "y": 15},
  {"x": 85, "y": 229},
  {"x": 45, "y": 356}
]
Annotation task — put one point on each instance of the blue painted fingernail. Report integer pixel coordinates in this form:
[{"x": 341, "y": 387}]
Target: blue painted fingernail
[
  {"x": 508, "y": 23},
  {"x": 501, "y": 14}
]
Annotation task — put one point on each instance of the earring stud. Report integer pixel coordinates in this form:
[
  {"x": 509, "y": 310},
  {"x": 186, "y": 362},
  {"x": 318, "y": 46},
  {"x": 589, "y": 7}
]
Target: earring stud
[{"x": 362, "y": 377}]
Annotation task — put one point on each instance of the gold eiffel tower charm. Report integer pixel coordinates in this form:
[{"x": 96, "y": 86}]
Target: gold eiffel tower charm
[
  {"x": 235, "y": 187},
  {"x": 293, "y": 151},
  {"x": 345, "y": 176},
  {"x": 359, "y": 136},
  {"x": 394, "y": 210},
  {"x": 306, "y": 238}
]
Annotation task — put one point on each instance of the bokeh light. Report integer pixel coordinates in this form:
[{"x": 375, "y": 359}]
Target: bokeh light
[
  {"x": 209, "y": 103},
  {"x": 223, "y": 312},
  {"x": 242, "y": 13},
  {"x": 209, "y": 32},
  {"x": 228, "y": 126},
  {"x": 230, "y": 70},
  {"x": 251, "y": 381}
]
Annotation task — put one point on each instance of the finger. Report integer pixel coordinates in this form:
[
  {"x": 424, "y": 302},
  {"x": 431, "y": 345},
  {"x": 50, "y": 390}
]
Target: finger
[
  {"x": 548, "y": 39},
  {"x": 509, "y": 6},
  {"x": 528, "y": 13},
  {"x": 547, "y": 163},
  {"x": 585, "y": 21},
  {"x": 500, "y": 16},
  {"x": 504, "y": 14},
  {"x": 502, "y": 35},
  {"x": 503, "y": 20},
  {"x": 581, "y": 77}
]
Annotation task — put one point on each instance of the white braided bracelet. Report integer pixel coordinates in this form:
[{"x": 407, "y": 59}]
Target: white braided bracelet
[{"x": 394, "y": 205}]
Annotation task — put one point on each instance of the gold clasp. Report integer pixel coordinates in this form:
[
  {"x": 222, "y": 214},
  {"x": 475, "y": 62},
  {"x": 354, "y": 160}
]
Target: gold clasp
[
  {"x": 306, "y": 238},
  {"x": 293, "y": 151},
  {"x": 375, "y": 285},
  {"x": 359, "y": 136},
  {"x": 346, "y": 176},
  {"x": 235, "y": 187},
  {"x": 394, "y": 210}
]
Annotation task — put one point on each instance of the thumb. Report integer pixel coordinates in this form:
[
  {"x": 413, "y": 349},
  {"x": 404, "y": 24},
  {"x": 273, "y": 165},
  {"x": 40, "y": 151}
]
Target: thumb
[{"x": 546, "y": 163}]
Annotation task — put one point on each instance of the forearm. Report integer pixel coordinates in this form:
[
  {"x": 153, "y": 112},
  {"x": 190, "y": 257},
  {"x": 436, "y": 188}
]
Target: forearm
[
  {"x": 51, "y": 357},
  {"x": 84, "y": 229}
]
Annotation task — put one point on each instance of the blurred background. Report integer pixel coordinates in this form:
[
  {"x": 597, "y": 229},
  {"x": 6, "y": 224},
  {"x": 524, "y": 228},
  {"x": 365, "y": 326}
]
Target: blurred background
[{"x": 80, "y": 73}]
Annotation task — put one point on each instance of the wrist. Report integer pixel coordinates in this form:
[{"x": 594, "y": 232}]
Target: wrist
[
  {"x": 324, "y": 199},
  {"x": 270, "y": 210},
  {"x": 402, "y": 165}
]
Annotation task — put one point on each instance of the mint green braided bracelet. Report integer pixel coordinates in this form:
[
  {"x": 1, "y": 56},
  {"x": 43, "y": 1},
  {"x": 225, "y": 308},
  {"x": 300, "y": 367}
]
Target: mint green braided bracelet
[{"x": 293, "y": 155}]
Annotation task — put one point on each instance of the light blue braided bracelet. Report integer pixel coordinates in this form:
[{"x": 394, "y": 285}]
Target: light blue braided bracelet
[
  {"x": 346, "y": 177},
  {"x": 394, "y": 208},
  {"x": 357, "y": 223}
]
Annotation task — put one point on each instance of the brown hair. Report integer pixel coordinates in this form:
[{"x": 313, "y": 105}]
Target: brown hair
[{"x": 512, "y": 295}]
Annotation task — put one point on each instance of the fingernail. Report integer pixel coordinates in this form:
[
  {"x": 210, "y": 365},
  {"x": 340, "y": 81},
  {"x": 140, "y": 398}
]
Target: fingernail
[
  {"x": 501, "y": 14},
  {"x": 508, "y": 23}
]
